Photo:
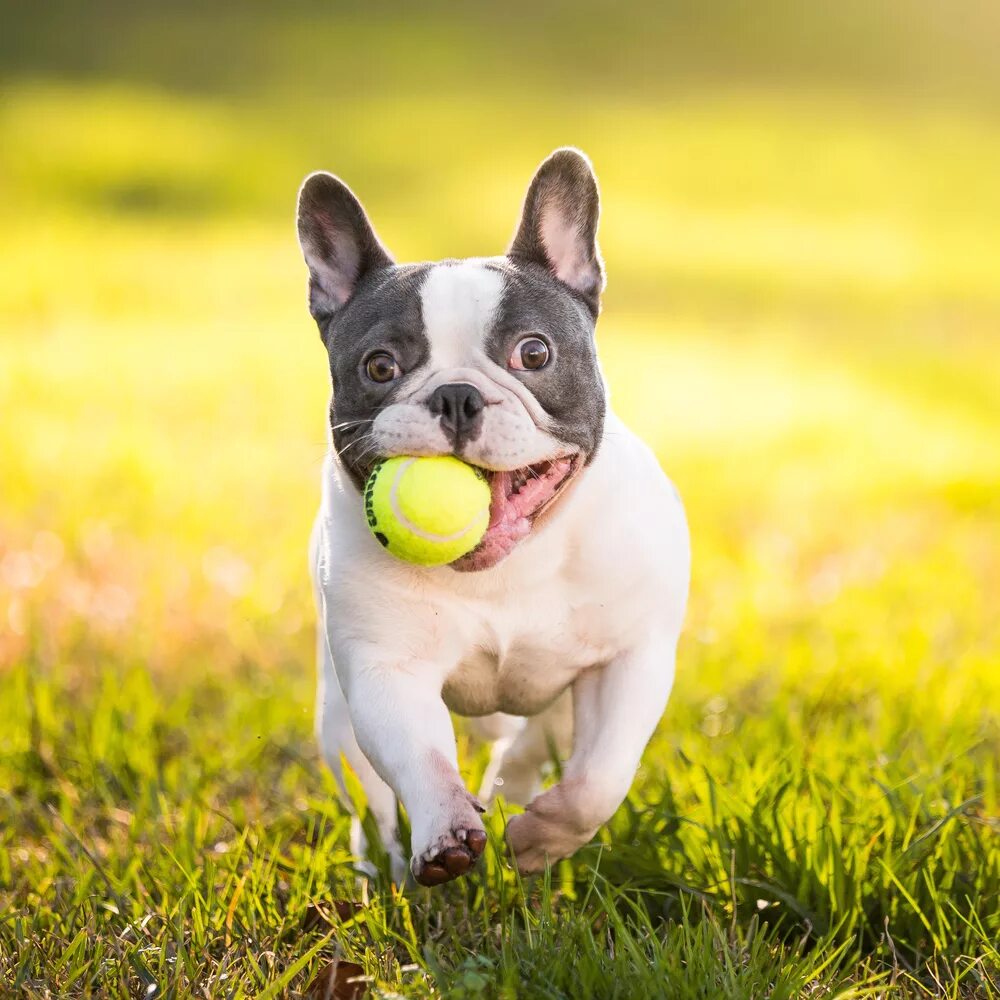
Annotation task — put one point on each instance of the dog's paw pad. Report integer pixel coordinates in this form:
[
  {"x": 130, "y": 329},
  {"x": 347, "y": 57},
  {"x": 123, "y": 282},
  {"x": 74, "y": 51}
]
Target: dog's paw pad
[{"x": 453, "y": 857}]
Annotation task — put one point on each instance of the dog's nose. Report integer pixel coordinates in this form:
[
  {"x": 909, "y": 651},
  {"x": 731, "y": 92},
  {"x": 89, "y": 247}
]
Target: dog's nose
[{"x": 460, "y": 407}]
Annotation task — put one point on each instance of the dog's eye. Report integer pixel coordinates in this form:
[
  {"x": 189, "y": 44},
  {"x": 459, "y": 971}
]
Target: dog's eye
[
  {"x": 530, "y": 354},
  {"x": 382, "y": 367}
]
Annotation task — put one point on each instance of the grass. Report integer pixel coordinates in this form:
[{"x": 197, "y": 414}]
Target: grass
[
  {"x": 801, "y": 319},
  {"x": 780, "y": 840}
]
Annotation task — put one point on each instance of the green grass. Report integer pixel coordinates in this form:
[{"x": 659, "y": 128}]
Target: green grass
[
  {"x": 801, "y": 319},
  {"x": 780, "y": 839}
]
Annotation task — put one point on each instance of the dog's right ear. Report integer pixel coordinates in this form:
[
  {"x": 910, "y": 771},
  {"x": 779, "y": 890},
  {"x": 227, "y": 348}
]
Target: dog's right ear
[{"x": 338, "y": 243}]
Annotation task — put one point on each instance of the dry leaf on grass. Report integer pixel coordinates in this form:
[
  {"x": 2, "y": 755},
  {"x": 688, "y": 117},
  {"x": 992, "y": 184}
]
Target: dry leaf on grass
[{"x": 339, "y": 980}]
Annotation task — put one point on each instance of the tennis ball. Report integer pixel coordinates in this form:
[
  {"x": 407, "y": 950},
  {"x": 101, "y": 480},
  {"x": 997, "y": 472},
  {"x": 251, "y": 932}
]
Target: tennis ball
[{"x": 428, "y": 511}]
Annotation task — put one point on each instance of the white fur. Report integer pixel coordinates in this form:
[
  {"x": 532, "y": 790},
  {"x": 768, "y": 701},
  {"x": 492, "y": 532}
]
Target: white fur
[
  {"x": 457, "y": 303},
  {"x": 590, "y": 604}
]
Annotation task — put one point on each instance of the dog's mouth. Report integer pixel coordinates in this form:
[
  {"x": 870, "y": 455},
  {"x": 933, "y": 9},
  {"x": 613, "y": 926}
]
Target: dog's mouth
[{"x": 519, "y": 497}]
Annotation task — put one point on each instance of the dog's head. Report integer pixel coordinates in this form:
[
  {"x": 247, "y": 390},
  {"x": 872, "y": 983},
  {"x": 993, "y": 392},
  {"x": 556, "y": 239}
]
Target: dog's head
[{"x": 490, "y": 359}]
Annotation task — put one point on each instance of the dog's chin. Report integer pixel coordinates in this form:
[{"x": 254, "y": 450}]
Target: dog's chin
[{"x": 519, "y": 499}]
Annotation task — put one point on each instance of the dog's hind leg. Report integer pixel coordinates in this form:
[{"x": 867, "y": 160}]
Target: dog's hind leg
[
  {"x": 515, "y": 768},
  {"x": 500, "y": 731}
]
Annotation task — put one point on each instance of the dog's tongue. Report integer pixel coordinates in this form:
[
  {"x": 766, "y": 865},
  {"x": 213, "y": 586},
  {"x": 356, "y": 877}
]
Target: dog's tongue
[
  {"x": 500, "y": 490},
  {"x": 511, "y": 513},
  {"x": 508, "y": 526}
]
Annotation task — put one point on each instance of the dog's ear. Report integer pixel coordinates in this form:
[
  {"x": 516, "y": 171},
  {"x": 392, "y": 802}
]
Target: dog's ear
[
  {"x": 558, "y": 226},
  {"x": 337, "y": 240}
]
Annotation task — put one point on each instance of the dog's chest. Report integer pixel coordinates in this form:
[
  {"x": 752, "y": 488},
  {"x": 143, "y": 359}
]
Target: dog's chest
[{"x": 528, "y": 657}]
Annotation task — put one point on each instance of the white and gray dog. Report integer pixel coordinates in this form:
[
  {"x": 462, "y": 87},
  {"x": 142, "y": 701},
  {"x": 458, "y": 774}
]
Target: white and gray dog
[{"x": 560, "y": 629}]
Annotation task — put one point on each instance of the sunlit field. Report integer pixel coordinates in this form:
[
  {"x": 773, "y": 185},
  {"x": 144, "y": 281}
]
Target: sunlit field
[{"x": 802, "y": 318}]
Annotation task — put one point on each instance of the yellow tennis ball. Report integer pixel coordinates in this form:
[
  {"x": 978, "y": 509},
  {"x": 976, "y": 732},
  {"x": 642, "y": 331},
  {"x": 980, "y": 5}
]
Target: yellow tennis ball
[{"x": 428, "y": 511}]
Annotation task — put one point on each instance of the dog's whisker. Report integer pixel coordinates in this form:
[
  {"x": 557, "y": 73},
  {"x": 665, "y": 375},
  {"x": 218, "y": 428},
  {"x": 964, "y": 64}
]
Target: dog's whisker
[
  {"x": 343, "y": 451},
  {"x": 365, "y": 452},
  {"x": 370, "y": 448},
  {"x": 358, "y": 440},
  {"x": 352, "y": 423}
]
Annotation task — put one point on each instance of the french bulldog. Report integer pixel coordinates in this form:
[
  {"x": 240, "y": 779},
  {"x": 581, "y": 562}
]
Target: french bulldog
[{"x": 559, "y": 630}]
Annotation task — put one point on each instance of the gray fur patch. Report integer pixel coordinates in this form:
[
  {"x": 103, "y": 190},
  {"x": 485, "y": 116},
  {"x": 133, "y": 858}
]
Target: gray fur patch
[
  {"x": 569, "y": 388},
  {"x": 384, "y": 313}
]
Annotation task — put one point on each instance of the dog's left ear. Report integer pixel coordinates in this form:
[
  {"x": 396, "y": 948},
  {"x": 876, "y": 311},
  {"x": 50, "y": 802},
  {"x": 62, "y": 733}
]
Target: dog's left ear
[
  {"x": 558, "y": 226},
  {"x": 338, "y": 242}
]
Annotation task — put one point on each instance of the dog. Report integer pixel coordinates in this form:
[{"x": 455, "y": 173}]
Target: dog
[{"x": 559, "y": 630}]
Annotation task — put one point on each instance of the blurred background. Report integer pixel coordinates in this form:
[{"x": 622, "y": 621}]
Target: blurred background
[{"x": 802, "y": 233}]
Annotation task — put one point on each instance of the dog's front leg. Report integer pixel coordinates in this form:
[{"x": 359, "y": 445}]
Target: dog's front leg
[
  {"x": 616, "y": 708},
  {"x": 404, "y": 729}
]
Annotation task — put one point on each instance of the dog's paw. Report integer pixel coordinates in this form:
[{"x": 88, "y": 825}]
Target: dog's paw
[
  {"x": 451, "y": 854},
  {"x": 550, "y": 828}
]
